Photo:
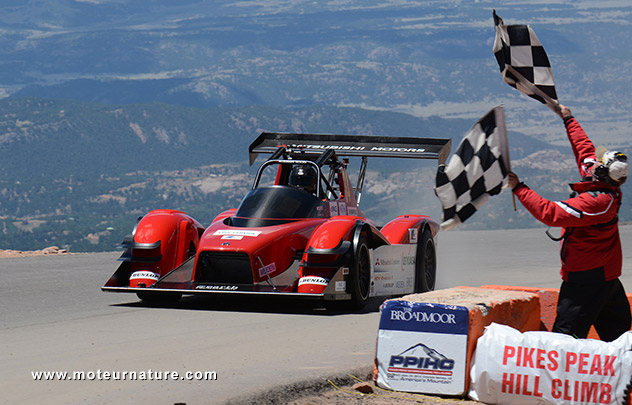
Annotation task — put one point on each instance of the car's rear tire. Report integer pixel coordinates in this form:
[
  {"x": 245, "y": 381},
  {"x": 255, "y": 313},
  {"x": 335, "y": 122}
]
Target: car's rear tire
[
  {"x": 426, "y": 264},
  {"x": 159, "y": 297}
]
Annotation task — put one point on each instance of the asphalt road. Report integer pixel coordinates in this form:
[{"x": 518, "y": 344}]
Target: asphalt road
[{"x": 54, "y": 317}]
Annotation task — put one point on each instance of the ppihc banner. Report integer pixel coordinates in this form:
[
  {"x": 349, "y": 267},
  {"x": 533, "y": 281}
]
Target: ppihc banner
[
  {"x": 422, "y": 347},
  {"x": 510, "y": 367}
]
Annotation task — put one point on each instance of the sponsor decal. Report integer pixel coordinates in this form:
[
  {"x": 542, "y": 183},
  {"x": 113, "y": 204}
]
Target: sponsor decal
[
  {"x": 267, "y": 269},
  {"x": 391, "y": 149},
  {"x": 395, "y": 264},
  {"x": 421, "y": 359},
  {"x": 341, "y": 285},
  {"x": 408, "y": 261},
  {"x": 234, "y": 237},
  {"x": 333, "y": 208},
  {"x": 217, "y": 287},
  {"x": 322, "y": 146},
  {"x": 433, "y": 318},
  {"x": 237, "y": 232},
  {"x": 422, "y": 347},
  {"x": 386, "y": 261},
  {"x": 357, "y": 148},
  {"x": 416, "y": 316},
  {"x": 144, "y": 274},
  {"x": 352, "y": 211},
  {"x": 313, "y": 280},
  {"x": 342, "y": 208}
]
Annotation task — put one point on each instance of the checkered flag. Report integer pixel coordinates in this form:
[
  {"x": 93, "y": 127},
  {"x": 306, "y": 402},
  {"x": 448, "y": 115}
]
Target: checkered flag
[
  {"x": 523, "y": 62},
  {"x": 475, "y": 171}
]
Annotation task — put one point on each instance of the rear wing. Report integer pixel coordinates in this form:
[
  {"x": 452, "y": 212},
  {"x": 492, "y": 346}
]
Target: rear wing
[{"x": 352, "y": 145}]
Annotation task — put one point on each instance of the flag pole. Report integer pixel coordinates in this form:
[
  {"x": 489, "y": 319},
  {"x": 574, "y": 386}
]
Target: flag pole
[
  {"x": 553, "y": 105},
  {"x": 500, "y": 123}
]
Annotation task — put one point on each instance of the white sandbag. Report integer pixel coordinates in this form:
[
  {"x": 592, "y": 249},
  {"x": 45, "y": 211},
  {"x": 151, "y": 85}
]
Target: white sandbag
[{"x": 510, "y": 367}]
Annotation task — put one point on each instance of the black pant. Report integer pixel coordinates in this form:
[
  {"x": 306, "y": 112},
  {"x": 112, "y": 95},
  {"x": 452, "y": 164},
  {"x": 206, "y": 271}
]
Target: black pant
[{"x": 587, "y": 299}]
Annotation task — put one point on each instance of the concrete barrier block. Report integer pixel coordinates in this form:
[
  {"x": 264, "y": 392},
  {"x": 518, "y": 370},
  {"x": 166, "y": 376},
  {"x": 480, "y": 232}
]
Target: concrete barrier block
[
  {"x": 548, "y": 304},
  {"x": 547, "y": 298}
]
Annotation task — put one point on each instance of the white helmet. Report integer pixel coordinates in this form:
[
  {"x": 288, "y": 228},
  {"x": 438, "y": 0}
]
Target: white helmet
[{"x": 615, "y": 165}]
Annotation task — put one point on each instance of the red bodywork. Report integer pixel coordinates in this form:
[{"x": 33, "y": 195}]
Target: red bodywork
[
  {"x": 283, "y": 239},
  {"x": 178, "y": 233},
  {"x": 271, "y": 252}
]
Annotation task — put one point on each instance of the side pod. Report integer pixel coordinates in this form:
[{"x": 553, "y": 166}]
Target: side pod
[
  {"x": 333, "y": 245},
  {"x": 161, "y": 241},
  {"x": 422, "y": 231}
]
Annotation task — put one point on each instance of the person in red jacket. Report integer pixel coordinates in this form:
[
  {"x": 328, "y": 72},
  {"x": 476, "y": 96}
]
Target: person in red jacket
[{"x": 591, "y": 292}]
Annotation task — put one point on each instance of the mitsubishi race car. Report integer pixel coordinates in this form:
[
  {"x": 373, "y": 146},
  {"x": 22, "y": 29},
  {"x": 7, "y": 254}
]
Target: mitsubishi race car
[{"x": 298, "y": 232}]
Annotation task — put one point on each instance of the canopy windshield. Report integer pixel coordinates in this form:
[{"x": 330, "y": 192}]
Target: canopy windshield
[{"x": 273, "y": 205}]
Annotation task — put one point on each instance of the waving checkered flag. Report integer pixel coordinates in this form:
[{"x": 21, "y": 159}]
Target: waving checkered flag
[
  {"x": 475, "y": 171},
  {"x": 523, "y": 62}
]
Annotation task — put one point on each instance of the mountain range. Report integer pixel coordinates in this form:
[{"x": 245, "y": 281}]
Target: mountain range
[
  {"x": 78, "y": 174},
  {"x": 110, "y": 108},
  {"x": 420, "y": 57}
]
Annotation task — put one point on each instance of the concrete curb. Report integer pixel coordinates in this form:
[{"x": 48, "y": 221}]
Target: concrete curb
[{"x": 548, "y": 304}]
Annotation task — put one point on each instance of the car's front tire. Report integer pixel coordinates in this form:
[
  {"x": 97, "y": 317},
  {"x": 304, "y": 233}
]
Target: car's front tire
[
  {"x": 360, "y": 272},
  {"x": 426, "y": 264}
]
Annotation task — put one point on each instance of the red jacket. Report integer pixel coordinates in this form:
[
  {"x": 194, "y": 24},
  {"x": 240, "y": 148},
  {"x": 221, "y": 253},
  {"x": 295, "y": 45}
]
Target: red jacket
[{"x": 590, "y": 222}]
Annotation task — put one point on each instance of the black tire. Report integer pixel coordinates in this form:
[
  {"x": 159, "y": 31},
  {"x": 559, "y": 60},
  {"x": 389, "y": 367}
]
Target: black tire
[
  {"x": 360, "y": 274},
  {"x": 159, "y": 297},
  {"x": 425, "y": 264}
]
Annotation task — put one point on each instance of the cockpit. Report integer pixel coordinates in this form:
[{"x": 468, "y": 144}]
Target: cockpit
[{"x": 275, "y": 205}]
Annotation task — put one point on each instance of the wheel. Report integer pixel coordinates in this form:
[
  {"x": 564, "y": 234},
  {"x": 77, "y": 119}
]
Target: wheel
[
  {"x": 159, "y": 297},
  {"x": 360, "y": 272},
  {"x": 426, "y": 264}
]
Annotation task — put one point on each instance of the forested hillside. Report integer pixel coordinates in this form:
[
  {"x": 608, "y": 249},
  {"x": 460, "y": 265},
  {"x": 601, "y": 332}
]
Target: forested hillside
[
  {"x": 111, "y": 108},
  {"x": 79, "y": 174}
]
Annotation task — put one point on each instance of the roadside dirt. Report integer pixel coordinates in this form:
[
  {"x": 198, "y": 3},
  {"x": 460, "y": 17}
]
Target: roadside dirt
[
  {"x": 355, "y": 388},
  {"x": 348, "y": 395},
  {"x": 52, "y": 250}
]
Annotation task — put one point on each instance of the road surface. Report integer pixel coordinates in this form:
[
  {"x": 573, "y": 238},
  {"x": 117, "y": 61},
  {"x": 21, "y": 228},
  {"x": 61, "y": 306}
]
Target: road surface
[{"x": 54, "y": 317}]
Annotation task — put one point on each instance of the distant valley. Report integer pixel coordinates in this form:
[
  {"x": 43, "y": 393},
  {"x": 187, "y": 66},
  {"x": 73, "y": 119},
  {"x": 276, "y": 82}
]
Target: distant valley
[
  {"x": 77, "y": 175},
  {"x": 423, "y": 58},
  {"x": 109, "y": 108}
]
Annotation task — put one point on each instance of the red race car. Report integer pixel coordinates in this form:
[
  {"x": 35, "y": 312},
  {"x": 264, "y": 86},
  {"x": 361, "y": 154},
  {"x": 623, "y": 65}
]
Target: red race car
[{"x": 299, "y": 232}]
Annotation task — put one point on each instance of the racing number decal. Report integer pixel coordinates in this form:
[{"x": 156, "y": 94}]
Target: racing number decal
[{"x": 413, "y": 235}]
